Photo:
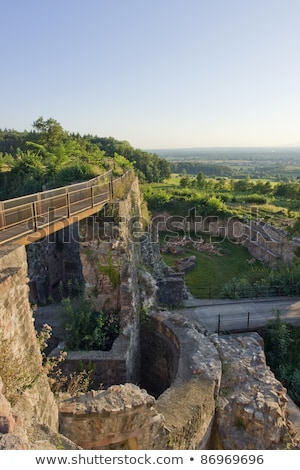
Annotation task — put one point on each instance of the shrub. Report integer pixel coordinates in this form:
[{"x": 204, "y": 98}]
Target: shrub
[
  {"x": 74, "y": 383},
  {"x": 255, "y": 199},
  {"x": 282, "y": 342},
  {"x": 85, "y": 328},
  {"x": 17, "y": 373}
]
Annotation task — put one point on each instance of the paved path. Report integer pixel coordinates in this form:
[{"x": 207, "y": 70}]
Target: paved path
[{"x": 240, "y": 314}]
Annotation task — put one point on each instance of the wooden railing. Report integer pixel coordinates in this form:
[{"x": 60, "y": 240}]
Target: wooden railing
[{"x": 29, "y": 214}]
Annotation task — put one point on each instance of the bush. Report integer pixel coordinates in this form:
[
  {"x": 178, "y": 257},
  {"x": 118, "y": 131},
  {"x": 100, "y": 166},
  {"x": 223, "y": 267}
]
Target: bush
[
  {"x": 284, "y": 280},
  {"x": 85, "y": 328},
  {"x": 282, "y": 354},
  {"x": 255, "y": 199}
]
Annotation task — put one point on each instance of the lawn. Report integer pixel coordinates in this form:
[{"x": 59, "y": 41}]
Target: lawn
[{"x": 213, "y": 271}]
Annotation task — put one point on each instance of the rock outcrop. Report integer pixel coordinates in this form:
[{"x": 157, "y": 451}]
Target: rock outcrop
[
  {"x": 252, "y": 405},
  {"x": 120, "y": 417},
  {"x": 28, "y": 409}
]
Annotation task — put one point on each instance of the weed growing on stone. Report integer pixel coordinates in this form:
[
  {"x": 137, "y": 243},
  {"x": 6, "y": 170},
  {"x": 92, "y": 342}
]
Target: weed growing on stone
[
  {"x": 18, "y": 374},
  {"x": 112, "y": 271},
  {"x": 77, "y": 382}
]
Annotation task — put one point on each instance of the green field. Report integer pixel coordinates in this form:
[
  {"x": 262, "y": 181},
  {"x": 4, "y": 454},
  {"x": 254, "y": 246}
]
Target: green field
[{"x": 213, "y": 271}]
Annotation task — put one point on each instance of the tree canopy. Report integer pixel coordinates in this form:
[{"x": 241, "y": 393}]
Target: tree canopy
[{"x": 48, "y": 156}]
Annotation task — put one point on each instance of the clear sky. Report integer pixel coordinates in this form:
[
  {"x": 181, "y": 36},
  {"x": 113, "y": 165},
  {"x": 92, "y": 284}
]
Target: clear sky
[{"x": 157, "y": 73}]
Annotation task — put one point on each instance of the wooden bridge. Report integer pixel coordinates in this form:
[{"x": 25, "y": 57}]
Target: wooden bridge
[{"x": 26, "y": 219}]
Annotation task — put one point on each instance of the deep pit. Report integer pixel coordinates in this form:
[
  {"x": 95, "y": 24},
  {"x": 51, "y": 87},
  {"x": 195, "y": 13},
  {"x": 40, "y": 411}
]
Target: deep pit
[{"x": 159, "y": 351}]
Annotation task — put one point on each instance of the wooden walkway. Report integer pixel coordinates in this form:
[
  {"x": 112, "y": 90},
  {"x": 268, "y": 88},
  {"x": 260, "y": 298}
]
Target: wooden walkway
[{"x": 29, "y": 218}]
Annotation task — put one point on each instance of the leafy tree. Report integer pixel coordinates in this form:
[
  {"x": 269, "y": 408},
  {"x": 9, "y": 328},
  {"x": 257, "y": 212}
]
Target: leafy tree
[
  {"x": 195, "y": 167},
  {"x": 122, "y": 161},
  {"x": 164, "y": 169},
  {"x": 149, "y": 166},
  {"x": 186, "y": 182},
  {"x": 47, "y": 155},
  {"x": 263, "y": 187},
  {"x": 243, "y": 186},
  {"x": 201, "y": 180},
  {"x": 50, "y": 133},
  {"x": 212, "y": 206},
  {"x": 222, "y": 184},
  {"x": 6, "y": 162},
  {"x": 11, "y": 141},
  {"x": 286, "y": 190}
]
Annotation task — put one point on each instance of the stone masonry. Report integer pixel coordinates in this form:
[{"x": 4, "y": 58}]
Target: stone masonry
[
  {"x": 252, "y": 408},
  {"x": 26, "y": 401}
]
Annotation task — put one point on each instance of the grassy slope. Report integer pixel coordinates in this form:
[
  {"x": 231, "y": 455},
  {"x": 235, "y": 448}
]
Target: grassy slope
[{"x": 213, "y": 271}]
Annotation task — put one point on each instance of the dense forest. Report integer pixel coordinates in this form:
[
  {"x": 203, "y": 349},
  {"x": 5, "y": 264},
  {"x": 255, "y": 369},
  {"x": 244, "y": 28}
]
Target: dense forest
[{"x": 48, "y": 156}]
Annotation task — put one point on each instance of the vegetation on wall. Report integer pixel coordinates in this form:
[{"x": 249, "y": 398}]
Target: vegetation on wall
[
  {"x": 21, "y": 374},
  {"x": 112, "y": 271},
  {"x": 73, "y": 383},
  {"x": 85, "y": 328}
]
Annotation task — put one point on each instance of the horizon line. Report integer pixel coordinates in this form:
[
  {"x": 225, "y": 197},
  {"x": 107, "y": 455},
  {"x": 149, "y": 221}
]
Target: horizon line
[{"x": 292, "y": 146}]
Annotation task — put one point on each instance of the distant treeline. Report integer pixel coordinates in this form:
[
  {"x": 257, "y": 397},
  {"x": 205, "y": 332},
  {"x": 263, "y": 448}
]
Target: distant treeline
[
  {"x": 208, "y": 169},
  {"x": 276, "y": 172}
]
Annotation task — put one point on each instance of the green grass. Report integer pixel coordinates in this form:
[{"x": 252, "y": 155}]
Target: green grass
[
  {"x": 174, "y": 179},
  {"x": 213, "y": 271}
]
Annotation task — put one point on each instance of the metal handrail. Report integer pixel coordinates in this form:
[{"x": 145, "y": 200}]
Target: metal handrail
[
  {"x": 14, "y": 202},
  {"x": 44, "y": 208}
]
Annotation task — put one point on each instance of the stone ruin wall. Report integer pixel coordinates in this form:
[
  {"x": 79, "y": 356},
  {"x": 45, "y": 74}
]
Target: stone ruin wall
[
  {"x": 52, "y": 260},
  {"x": 179, "y": 418},
  {"x": 269, "y": 244},
  {"x": 253, "y": 408},
  {"x": 182, "y": 417},
  {"x": 222, "y": 396},
  {"x": 20, "y": 358},
  {"x": 133, "y": 417},
  {"x": 111, "y": 233},
  {"x": 78, "y": 252},
  {"x": 192, "y": 413},
  {"x": 263, "y": 241},
  {"x": 144, "y": 280}
]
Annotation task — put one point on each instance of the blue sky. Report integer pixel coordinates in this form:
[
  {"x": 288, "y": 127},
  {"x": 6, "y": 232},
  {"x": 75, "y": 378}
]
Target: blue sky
[{"x": 159, "y": 73}]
